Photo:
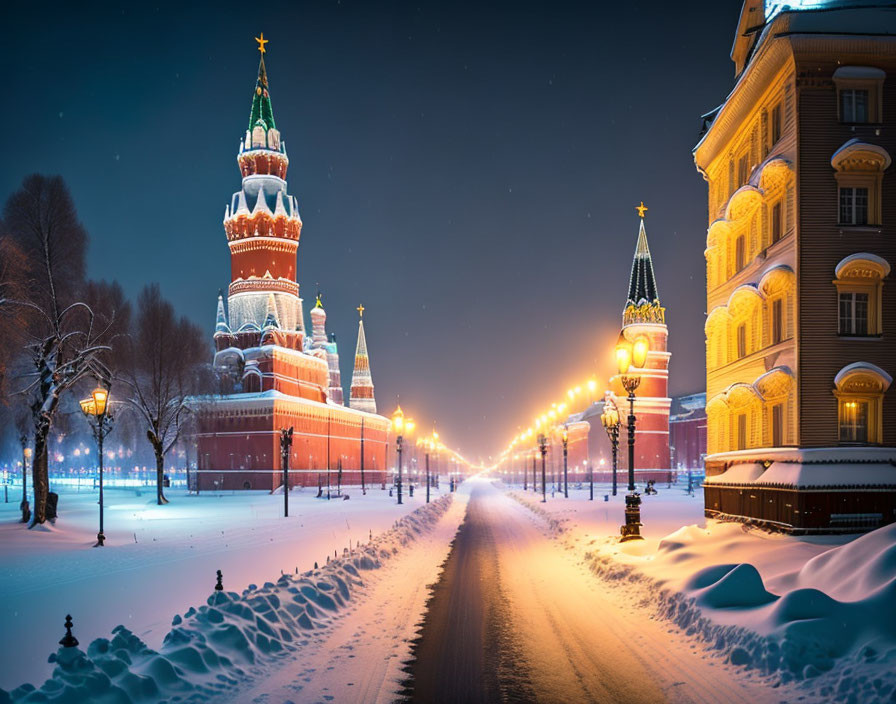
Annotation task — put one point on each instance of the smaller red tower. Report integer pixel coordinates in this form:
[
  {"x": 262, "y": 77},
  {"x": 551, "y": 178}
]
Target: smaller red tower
[{"x": 643, "y": 316}]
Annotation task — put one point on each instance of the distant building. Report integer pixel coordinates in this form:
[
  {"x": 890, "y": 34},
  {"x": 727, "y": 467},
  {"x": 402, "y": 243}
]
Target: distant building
[
  {"x": 801, "y": 238},
  {"x": 687, "y": 431},
  {"x": 274, "y": 377}
]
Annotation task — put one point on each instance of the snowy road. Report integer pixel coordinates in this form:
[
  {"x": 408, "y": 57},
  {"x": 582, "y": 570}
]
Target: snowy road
[
  {"x": 515, "y": 618},
  {"x": 360, "y": 658}
]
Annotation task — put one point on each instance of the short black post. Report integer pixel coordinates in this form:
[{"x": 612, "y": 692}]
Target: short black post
[
  {"x": 68, "y": 640},
  {"x": 219, "y": 584},
  {"x": 285, "y": 444}
]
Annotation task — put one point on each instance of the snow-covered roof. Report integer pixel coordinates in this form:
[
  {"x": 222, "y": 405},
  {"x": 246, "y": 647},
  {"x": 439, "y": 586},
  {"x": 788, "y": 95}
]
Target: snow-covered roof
[
  {"x": 800, "y": 475},
  {"x": 738, "y": 474}
]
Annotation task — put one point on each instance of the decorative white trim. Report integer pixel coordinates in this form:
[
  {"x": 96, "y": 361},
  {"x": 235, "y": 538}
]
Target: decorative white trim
[{"x": 863, "y": 257}]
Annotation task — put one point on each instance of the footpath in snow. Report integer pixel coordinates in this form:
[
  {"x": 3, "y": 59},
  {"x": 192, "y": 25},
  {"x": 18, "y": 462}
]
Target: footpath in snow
[
  {"x": 817, "y": 613},
  {"x": 160, "y": 560},
  {"x": 234, "y": 639}
]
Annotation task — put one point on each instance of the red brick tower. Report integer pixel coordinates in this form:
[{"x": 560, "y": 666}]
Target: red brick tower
[
  {"x": 644, "y": 316},
  {"x": 270, "y": 380}
]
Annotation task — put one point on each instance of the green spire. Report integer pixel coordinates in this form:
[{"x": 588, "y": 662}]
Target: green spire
[{"x": 261, "y": 101}]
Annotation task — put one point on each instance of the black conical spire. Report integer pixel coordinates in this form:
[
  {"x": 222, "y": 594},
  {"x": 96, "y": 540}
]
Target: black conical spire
[
  {"x": 642, "y": 284},
  {"x": 643, "y": 302}
]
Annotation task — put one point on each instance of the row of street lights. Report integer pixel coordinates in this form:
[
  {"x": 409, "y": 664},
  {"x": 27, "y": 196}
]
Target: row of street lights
[
  {"x": 631, "y": 355},
  {"x": 403, "y": 428}
]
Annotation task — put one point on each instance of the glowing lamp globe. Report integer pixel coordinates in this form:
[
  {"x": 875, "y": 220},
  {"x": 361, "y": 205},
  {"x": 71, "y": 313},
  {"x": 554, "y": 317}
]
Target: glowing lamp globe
[
  {"x": 623, "y": 354},
  {"x": 398, "y": 420},
  {"x": 640, "y": 348}
]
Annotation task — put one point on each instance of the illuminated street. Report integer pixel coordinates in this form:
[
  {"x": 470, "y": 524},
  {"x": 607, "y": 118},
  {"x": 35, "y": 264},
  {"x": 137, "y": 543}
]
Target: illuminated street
[{"x": 516, "y": 618}]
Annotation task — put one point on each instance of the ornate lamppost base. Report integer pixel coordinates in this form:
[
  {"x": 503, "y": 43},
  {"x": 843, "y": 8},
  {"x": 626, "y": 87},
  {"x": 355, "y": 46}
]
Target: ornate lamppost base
[
  {"x": 100, "y": 540},
  {"x": 632, "y": 528}
]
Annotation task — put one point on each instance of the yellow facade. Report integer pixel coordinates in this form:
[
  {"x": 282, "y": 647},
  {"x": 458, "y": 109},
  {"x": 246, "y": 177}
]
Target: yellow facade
[{"x": 750, "y": 280}]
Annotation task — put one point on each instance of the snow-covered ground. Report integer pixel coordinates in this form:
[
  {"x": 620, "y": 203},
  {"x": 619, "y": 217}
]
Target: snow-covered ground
[
  {"x": 817, "y": 612},
  {"x": 160, "y": 560}
]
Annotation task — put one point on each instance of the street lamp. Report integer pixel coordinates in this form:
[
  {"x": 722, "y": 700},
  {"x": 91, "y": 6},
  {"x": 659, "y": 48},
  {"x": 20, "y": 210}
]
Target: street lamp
[
  {"x": 95, "y": 408},
  {"x": 631, "y": 354},
  {"x": 543, "y": 446},
  {"x": 285, "y": 444},
  {"x": 610, "y": 420},
  {"x": 565, "y": 437},
  {"x": 398, "y": 427},
  {"x": 26, "y": 455},
  {"x": 428, "y": 444}
]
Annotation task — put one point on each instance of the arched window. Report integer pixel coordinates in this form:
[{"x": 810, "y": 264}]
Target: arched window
[
  {"x": 745, "y": 419},
  {"x": 859, "y": 281},
  {"x": 859, "y": 388},
  {"x": 775, "y": 387},
  {"x": 860, "y": 168},
  {"x": 777, "y": 285},
  {"x": 745, "y": 307}
]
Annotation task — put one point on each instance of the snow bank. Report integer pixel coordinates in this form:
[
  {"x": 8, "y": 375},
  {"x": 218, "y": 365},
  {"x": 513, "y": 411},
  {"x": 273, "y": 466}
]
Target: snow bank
[
  {"x": 226, "y": 641},
  {"x": 832, "y": 633}
]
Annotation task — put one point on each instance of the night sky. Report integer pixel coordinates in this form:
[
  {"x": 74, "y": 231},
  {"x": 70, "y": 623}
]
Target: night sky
[{"x": 468, "y": 173}]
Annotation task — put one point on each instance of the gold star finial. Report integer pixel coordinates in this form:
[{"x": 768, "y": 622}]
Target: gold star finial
[
  {"x": 261, "y": 42},
  {"x": 641, "y": 209},
  {"x": 360, "y": 310}
]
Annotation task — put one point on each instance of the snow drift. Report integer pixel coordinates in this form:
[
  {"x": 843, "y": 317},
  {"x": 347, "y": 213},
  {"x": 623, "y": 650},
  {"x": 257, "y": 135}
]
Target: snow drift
[
  {"x": 832, "y": 631},
  {"x": 226, "y": 641}
]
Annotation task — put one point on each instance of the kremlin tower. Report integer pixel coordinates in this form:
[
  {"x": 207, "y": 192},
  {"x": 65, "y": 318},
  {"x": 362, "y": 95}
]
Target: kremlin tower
[
  {"x": 643, "y": 316},
  {"x": 276, "y": 378},
  {"x": 361, "y": 396}
]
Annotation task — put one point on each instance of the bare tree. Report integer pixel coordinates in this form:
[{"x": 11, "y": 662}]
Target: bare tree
[
  {"x": 64, "y": 344},
  {"x": 14, "y": 274},
  {"x": 165, "y": 365}
]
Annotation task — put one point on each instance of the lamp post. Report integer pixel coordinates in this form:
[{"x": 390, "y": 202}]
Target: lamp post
[
  {"x": 285, "y": 444},
  {"x": 400, "y": 426},
  {"x": 565, "y": 436},
  {"x": 631, "y": 354},
  {"x": 543, "y": 447},
  {"x": 26, "y": 454},
  {"x": 95, "y": 409},
  {"x": 363, "y": 488},
  {"x": 610, "y": 420}
]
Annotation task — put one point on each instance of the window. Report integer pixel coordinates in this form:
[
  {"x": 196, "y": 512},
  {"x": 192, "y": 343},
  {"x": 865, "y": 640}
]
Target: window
[
  {"x": 860, "y": 388},
  {"x": 860, "y": 168},
  {"x": 741, "y": 340},
  {"x": 859, "y": 93},
  {"x": 854, "y": 421},
  {"x": 742, "y": 431},
  {"x": 743, "y": 173},
  {"x": 853, "y": 206},
  {"x": 740, "y": 253},
  {"x": 777, "y": 321},
  {"x": 853, "y": 313},
  {"x": 777, "y": 425},
  {"x": 859, "y": 283},
  {"x": 853, "y": 105},
  {"x": 776, "y": 117},
  {"x": 777, "y": 221}
]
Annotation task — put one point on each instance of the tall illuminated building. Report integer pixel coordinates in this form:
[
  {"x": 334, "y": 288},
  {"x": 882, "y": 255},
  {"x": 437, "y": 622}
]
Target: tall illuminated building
[
  {"x": 801, "y": 238},
  {"x": 270, "y": 378}
]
